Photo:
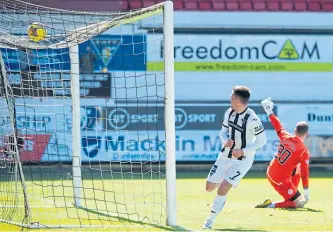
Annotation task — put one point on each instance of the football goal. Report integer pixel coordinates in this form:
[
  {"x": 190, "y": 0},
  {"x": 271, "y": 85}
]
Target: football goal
[{"x": 87, "y": 124}]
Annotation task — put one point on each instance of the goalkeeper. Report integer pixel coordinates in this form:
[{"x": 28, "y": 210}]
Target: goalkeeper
[{"x": 291, "y": 158}]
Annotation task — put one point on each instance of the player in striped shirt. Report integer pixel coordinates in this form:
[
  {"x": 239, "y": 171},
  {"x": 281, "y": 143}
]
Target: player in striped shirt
[{"x": 241, "y": 135}]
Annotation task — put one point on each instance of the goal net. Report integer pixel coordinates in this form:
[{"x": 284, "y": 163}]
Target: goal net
[{"x": 87, "y": 132}]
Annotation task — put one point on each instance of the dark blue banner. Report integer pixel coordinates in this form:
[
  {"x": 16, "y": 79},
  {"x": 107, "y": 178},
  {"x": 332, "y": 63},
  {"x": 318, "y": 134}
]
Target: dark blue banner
[
  {"x": 46, "y": 60},
  {"x": 107, "y": 53},
  {"x": 104, "y": 53}
]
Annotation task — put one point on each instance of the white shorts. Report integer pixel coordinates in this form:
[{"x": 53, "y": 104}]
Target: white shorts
[{"x": 232, "y": 170}]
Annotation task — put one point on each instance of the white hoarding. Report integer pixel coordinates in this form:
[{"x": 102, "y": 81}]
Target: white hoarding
[
  {"x": 319, "y": 117},
  {"x": 288, "y": 68}
]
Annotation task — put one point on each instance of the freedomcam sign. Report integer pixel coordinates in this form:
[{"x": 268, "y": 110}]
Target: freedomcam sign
[
  {"x": 223, "y": 50},
  {"x": 247, "y": 53}
]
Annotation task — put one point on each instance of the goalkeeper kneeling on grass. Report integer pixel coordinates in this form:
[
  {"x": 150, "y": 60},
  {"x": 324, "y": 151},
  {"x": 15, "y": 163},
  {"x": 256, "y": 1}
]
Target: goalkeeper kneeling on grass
[{"x": 291, "y": 163}]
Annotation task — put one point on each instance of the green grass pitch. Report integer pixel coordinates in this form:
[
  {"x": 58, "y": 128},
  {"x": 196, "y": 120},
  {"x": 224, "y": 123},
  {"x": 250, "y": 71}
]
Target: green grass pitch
[{"x": 239, "y": 214}]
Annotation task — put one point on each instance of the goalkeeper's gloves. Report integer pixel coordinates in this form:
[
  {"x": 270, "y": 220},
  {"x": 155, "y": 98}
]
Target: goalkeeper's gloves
[
  {"x": 306, "y": 194},
  {"x": 267, "y": 104}
]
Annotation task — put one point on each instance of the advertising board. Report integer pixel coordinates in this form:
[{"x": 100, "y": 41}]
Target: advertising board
[
  {"x": 130, "y": 133},
  {"x": 246, "y": 53},
  {"x": 319, "y": 117}
]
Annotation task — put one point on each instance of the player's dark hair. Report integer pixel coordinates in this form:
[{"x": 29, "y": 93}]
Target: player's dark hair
[
  {"x": 242, "y": 92},
  {"x": 302, "y": 128}
]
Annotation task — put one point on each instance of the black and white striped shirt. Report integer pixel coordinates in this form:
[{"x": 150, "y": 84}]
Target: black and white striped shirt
[{"x": 245, "y": 129}]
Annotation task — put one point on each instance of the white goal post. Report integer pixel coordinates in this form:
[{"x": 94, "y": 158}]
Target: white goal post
[
  {"x": 170, "y": 114},
  {"x": 88, "y": 159}
]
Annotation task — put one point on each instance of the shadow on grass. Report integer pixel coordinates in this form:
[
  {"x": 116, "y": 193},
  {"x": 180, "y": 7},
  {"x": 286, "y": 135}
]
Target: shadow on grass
[
  {"x": 241, "y": 229},
  {"x": 137, "y": 222},
  {"x": 303, "y": 210}
]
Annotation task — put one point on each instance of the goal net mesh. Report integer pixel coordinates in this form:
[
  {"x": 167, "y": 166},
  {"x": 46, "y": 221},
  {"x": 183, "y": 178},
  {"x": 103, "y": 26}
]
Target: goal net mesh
[{"x": 121, "y": 117}]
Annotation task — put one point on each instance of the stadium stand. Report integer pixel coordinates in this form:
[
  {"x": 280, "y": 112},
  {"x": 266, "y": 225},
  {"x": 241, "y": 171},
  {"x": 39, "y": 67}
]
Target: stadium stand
[
  {"x": 239, "y": 5},
  {"x": 195, "y": 5}
]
